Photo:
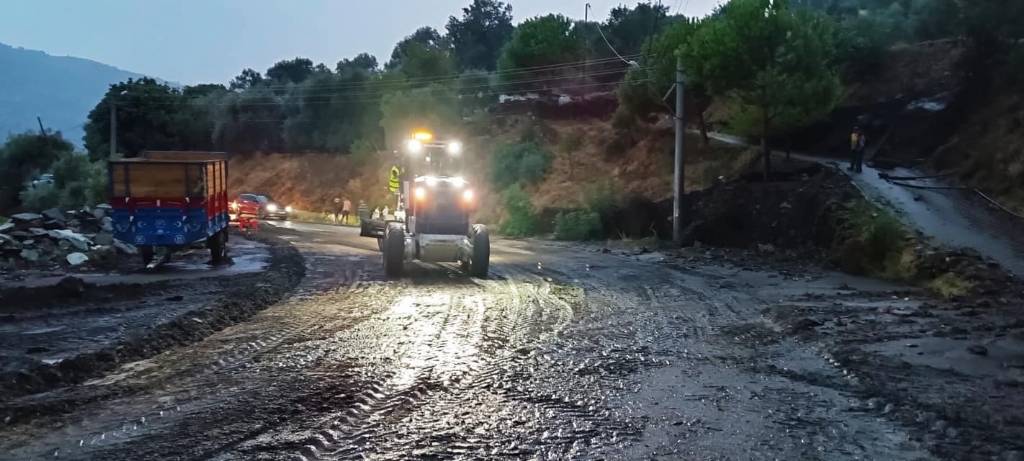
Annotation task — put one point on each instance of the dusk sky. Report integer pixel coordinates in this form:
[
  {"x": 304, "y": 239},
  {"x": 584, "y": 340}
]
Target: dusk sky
[{"x": 193, "y": 41}]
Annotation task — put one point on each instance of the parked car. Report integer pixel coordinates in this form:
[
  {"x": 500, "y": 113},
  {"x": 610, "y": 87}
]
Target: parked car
[
  {"x": 46, "y": 178},
  {"x": 245, "y": 211}
]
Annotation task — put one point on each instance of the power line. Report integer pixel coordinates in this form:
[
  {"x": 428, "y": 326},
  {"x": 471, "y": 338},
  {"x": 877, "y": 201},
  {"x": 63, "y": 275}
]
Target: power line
[
  {"x": 401, "y": 84},
  {"x": 512, "y": 71},
  {"x": 452, "y": 96},
  {"x": 330, "y": 95}
]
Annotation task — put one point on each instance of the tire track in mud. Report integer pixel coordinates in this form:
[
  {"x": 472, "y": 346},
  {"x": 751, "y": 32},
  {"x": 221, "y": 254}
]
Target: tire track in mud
[
  {"x": 189, "y": 384},
  {"x": 500, "y": 323}
]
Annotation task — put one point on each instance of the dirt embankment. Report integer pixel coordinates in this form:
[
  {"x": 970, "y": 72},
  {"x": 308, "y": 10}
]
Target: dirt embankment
[{"x": 237, "y": 298}]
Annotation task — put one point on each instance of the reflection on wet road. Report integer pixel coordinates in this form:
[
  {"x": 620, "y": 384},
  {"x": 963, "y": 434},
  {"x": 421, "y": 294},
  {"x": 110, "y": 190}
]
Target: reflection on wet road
[{"x": 564, "y": 353}]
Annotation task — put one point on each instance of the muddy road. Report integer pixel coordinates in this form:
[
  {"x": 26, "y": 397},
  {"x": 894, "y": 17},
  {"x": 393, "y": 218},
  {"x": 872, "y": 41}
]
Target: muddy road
[{"x": 565, "y": 352}]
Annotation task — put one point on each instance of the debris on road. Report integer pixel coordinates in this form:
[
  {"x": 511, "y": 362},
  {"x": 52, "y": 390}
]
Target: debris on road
[{"x": 56, "y": 239}]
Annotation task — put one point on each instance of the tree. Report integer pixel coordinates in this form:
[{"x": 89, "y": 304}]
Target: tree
[
  {"x": 250, "y": 121},
  {"x": 541, "y": 41},
  {"x": 23, "y": 157},
  {"x": 147, "y": 116},
  {"x": 775, "y": 64},
  {"x": 291, "y": 71},
  {"x": 644, "y": 87},
  {"x": 431, "y": 107},
  {"x": 247, "y": 79},
  {"x": 363, "y": 62},
  {"x": 422, "y": 55},
  {"x": 629, "y": 29},
  {"x": 477, "y": 38},
  {"x": 322, "y": 119}
]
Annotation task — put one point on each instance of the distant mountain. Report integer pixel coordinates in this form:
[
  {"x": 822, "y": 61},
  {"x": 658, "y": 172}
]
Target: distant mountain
[{"x": 59, "y": 89}]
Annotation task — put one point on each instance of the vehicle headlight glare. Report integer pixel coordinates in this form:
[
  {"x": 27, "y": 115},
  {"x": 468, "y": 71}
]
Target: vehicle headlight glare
[
  {"x": 431, "y": 181},
  {"x": 420, "y": 193},
  {"x": 272, "y": 207},
  {"x": 459, "y": 182},
  {"x": 414, "y": 146},
  {"x": 455, "y": 148},
  {"x": 288, "y": 209},
  {"x": 467, "y": 195}
]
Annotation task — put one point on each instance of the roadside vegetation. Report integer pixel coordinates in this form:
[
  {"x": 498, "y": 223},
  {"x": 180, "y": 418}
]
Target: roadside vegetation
[{"x": 24, "y": 158}]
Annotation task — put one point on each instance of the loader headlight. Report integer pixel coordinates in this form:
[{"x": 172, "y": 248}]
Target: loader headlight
[
  {"x": 420, "y": 193},
  {"x": 467, "y": 195},
  {"x": 414, "y": 146},
  {"x": 272, "y": 207},
  {"x": 288, "y": 209},
  {"x": 455, "y": 148}
]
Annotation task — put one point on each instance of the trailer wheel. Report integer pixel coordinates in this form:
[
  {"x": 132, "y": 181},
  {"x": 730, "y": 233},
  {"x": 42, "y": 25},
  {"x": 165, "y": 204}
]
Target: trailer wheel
[
  {"x": 481, "y": 262},
  {"x": 394, "y": 251},
  {"x": 218, "y": 247},
  {"x": 147, "y": 252}
]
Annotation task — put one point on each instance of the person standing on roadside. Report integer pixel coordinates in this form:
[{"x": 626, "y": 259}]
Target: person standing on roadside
[
  {"x": 858, "y": 141},
  {"x": 336, "y": 208},
  {"x": 346, "y": 210}
]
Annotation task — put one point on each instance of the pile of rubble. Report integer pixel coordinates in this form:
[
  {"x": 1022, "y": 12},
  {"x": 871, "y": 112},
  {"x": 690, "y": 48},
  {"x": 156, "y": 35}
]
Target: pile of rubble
[{"x": 60, "y": 239}]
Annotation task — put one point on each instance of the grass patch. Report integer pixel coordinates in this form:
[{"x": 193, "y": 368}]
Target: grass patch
[
  {"x": 578, "y": 225},
  {"x": 873, "y": 242},
  {"x": 319, "y": 217},
  {"x": 950, "y": 285}
]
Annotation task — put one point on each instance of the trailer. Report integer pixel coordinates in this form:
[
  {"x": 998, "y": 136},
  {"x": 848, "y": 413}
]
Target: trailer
[{"x": 171, "y": 200}]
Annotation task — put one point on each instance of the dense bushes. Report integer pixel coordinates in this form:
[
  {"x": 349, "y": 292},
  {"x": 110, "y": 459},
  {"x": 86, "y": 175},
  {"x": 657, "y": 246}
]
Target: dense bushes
[
  {"x": 22, "y": 158},
  {"x": 578, "y": 225},
  {"x": 524, "y": 162},
  {"x": 871, "y": 241},
  {"x": 521, "y": 218}
]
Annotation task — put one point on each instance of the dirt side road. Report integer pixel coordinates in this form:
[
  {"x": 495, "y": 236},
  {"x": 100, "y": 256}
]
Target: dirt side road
[{"x": 565, "y": 352}]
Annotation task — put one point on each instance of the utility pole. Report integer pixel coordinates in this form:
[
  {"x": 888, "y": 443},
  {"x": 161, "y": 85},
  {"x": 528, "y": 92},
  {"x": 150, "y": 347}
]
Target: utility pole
[
  {"x": 586, "y": 49},
  {"x": 113, "y": 129},
  {"x": 679, "y": 179},
  {"x": 42, "y": 131}
]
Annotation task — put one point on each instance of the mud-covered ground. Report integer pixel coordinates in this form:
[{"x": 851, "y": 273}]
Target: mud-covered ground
[{"x": 567, "y": 351}]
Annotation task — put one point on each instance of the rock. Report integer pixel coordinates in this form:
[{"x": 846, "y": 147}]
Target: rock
[
  {"x": 125, "y": 248},
  {"x": 977, "y": 349},
  {"x": 38, "y": 231},
  {"x": 71, "y": 286},
  {"x": 54, "y": 214},
  {"x": 765, "y": 248},
  {"x": 107, "y": 224},
  {"x": 29, "y": 255},
  {"x": 785, "y": 206},
  {"x": 103, "y": 256},
  {"x": 26, "y": 217},
  {"x": 99, "y": 213},
  {"x": 77, "y": 240},
  {"x": 6, "y": 227},
  {"x": 53, "y": 224},
  {"x": 77, "y": 259},
  {"x": 103, "y": 238},
  {"x": 9, "y": 242}
]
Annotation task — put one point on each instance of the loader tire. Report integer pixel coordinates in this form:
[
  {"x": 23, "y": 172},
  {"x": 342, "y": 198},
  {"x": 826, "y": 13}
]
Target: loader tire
[{"x": 394, "y": 251}]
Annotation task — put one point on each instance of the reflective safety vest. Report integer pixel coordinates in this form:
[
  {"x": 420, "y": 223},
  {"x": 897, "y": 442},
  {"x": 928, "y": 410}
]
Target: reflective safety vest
[{"x": 394, "y": 179}]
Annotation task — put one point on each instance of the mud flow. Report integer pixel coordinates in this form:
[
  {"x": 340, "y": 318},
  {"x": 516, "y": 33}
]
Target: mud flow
[{"x": 565, "y": 352}]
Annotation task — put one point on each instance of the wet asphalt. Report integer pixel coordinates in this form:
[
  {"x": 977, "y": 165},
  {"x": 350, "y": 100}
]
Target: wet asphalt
[{"x": 564, "y": 352}]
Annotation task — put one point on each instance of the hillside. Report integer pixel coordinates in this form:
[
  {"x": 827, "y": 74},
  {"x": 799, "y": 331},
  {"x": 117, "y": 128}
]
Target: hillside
[{"x": 59, "y": 89}]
